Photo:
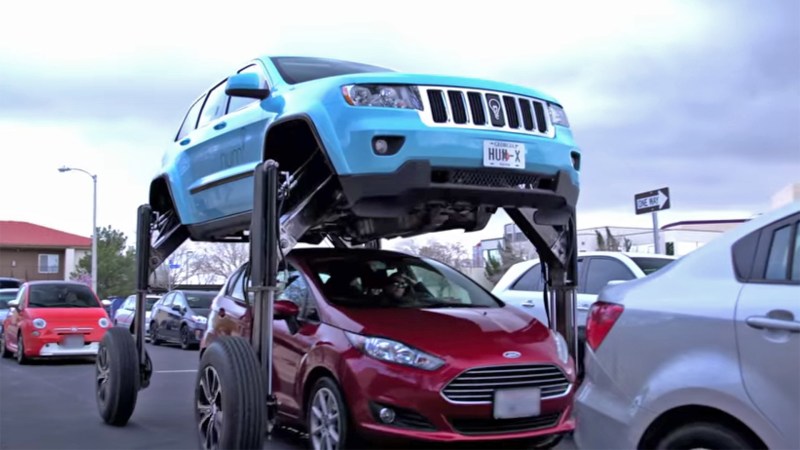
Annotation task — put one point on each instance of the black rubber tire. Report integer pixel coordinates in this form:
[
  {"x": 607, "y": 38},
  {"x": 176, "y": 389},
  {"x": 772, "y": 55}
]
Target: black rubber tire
[
  {"x": 240, "y": 396},
  {"x": 347, "y": 438},
  {"x": 704, "y": 435},
  {"x": 3, "y": 350},
  {"x": 20, "y": 354},
  {"x": 185, "y": 345},
  {"x": 154, "y": 334},
  {"x": 116, "y": 390}
]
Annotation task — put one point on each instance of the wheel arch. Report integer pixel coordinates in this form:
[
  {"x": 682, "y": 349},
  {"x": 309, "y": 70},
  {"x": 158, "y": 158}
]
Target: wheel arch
[
  {"x": 683, "y": 415},
  {"x": 293, "y": 129}
]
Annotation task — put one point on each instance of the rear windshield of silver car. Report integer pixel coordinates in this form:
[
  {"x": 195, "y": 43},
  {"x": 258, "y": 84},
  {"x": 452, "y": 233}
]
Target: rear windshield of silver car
[
  {"x": 650, "y": 265},
  {"x": 295, "y": 69},
  {"x": 61, "y": 296}
]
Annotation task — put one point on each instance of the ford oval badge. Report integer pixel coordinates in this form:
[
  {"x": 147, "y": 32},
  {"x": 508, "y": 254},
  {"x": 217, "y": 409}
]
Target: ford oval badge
[{"x": 512, "y": 355}]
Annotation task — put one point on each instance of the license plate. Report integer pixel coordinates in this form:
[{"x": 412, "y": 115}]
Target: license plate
[
  {"x": 516, "y": 403},
  {"x": 72, "y": 341},
  {"x": 508, "y": 155}
]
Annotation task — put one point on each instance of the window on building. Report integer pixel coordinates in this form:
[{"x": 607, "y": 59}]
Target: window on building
[{"x": 48, "y": 263}]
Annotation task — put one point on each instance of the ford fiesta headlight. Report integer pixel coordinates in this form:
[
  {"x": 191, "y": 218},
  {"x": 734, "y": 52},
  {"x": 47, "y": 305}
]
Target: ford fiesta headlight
[
  {"x": 557, "y": 115},
  {"x": 386, "y": 95},
  {"x": 561, "y": 347},
  {"x": 395, "y": 352},
  {"x": 39, "y": 323}
]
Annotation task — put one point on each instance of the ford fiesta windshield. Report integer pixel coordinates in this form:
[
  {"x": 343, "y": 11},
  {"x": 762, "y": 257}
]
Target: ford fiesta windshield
[
  {"x": 295, "y": 70},
  {"x": 54, "y": 296},
  {"x": 397, "y": 282}
]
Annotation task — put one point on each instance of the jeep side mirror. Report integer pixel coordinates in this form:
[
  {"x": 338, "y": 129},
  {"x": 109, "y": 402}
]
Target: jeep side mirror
[{"x": 246, "y": 85}]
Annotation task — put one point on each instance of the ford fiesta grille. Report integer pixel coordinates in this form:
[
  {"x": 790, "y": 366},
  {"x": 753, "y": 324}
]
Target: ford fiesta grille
[
  {"x": 478, "y": 385},
  {"x": 481, "y": 109}
]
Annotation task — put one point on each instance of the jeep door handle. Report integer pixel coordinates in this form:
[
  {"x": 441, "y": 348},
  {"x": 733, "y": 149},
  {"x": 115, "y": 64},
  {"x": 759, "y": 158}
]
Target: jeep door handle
[
  {"x": 768, "y": 323},
  {"x": 529, "y": 304},
  {"x": 220, "y": 126}
]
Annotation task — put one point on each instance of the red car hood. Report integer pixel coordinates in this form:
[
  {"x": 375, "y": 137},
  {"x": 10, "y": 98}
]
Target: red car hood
[
  {"x": 457, "y": 333},
  {"x": 68, "y": 317}
]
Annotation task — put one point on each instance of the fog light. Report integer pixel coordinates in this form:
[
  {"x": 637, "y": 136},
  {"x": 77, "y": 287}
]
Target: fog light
[
  {"x": 386, "y": 415},
  {"x": 380, "y": 146}
]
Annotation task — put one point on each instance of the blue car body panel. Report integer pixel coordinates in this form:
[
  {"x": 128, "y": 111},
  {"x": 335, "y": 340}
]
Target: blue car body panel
[{"x": 210, "y": 171}]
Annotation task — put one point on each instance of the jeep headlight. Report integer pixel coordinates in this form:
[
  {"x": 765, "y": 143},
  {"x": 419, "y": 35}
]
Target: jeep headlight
[
  {"x": 386, "y": 95},
  {"x": 393, "y": 351},
  {"x": 557, "y": 115}
]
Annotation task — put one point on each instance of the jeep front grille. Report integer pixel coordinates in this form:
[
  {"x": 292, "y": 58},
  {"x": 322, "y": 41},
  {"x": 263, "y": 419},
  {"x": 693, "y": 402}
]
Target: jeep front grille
[
  {"x": 480, "y": 109},
  {"x": 478, "y": 385},
  {"x": 492, "y": 178}
]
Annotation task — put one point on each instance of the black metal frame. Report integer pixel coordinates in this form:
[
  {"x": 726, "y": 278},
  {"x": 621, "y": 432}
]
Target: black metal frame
[{"x": 551, "y": 231}]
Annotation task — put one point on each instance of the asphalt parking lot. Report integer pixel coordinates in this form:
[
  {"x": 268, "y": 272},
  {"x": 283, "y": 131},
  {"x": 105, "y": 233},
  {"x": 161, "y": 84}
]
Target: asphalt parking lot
[{"x": 51, "y": 405}]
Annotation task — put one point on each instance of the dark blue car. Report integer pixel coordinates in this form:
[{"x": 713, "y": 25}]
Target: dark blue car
[{"x": 180, "y": 317}]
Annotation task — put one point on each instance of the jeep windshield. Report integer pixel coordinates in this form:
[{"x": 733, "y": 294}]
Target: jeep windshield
[
  {"x": 396, "y": 282},
  {"x": 295, "y": 69}
]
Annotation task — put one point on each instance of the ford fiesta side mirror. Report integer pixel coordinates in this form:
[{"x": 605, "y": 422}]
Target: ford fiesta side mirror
[
  {"x": 246, "y": 85},
  {"x": 285, "y": 309}
]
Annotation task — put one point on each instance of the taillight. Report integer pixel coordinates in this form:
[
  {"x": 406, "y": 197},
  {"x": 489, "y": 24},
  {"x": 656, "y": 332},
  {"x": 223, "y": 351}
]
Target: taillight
[{"x": 602, "y": 317}]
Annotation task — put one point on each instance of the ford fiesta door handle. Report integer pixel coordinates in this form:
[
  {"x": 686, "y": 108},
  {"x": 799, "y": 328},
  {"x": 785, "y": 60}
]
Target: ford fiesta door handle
[{"x": 768, "y": 323}]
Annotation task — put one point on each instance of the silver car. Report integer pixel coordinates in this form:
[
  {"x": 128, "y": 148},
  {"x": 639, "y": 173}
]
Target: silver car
[
  {"x": 123, "y": 317},
  {"x": 704, "y": 353}
]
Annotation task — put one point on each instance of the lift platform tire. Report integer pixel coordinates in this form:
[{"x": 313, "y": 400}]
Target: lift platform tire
[
  {"x": 117, "y": 376},
  {"x": 704, "y": 435},
  {"x": 230, "y": 396}
]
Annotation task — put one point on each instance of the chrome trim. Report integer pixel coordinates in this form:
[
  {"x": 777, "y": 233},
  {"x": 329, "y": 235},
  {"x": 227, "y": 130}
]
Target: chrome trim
[
  {"x": 426, "y": 115},
  {"x": 570, "y": 385},
  {"x": 73, "y": 330}
]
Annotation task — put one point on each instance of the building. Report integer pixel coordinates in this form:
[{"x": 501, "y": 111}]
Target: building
[{"x": 34, "y": 252}]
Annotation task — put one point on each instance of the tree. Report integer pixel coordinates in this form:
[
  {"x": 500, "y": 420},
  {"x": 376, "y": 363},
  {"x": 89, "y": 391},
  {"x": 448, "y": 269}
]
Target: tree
[
  {"x": 611, "y": 243},
  {"x": 496, "y": 266},
  {"x": 451, "y": 253},
  {"x": 116, "y": 264},
  {"x": 220, "y": 259}
]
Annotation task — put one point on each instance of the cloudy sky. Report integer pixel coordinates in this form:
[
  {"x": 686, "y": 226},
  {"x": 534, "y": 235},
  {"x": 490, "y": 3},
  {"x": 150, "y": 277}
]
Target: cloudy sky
[{"x": 700, "y": 96}]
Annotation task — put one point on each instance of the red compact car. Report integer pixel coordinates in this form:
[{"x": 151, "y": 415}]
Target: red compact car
[
  {"x": 386, "y": 346},
  {"x": 53, "y": 318}
]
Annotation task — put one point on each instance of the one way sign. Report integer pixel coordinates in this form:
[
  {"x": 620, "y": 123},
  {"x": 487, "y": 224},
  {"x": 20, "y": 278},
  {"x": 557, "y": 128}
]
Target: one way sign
[{"x": 652, "y": 201}]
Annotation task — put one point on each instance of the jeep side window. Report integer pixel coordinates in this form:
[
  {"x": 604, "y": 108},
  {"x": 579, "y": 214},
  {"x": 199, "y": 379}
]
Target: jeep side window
[
  {"x": 190, "y": 120},
  {"x": 215, "y": 105},
  {"x": 237, "y": 103}
]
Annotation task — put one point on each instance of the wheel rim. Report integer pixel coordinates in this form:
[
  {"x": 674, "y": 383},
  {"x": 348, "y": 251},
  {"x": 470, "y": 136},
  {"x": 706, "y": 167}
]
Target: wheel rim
[
  {"x": 209, "y": 407},
  {"x": 325, "y": 429},
  {"x": 20, "y": 349},
  {"x": 184, "y": 337},
  {"x": 102, "y": 372}
]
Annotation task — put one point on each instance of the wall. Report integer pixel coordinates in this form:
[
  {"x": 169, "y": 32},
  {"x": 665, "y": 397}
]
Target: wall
[{"x": 24, "y": 263}]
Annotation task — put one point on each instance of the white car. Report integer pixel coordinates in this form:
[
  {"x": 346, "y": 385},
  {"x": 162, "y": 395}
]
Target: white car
[
  {"x": 522, "y": 284},
  {"x": 704, "y": 353},
  {"x": 123, "y": 317}
]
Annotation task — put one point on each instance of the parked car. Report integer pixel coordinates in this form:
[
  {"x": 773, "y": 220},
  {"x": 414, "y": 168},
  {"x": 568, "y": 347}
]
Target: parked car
[
  {"x": 522, "y": 285},
  {"x": 704, "y": 353},
  {"x": 53, "y": 318},
  {"x": 401, "y": 149},
  {"x": 125, "y": 313},
  {"x": 181, "y": 317},
  {"x": 10, "y": 283},
  {"x": 418, "y": 350},
  {"x": 6, "y": 295}
]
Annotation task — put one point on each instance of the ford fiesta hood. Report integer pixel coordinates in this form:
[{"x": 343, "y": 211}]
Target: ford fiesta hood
[{"x": 458, "y": 333}]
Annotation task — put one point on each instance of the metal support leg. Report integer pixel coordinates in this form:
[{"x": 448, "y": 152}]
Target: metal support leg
[
  {"x": 553, "y": 234},
  {"x": 143, "y": 263},
  {"x": 264, "y": 269}
]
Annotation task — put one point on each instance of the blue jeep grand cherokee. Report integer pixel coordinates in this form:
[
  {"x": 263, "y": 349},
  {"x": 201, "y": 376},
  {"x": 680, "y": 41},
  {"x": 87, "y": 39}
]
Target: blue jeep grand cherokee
[{"x": 400, "y": 153}]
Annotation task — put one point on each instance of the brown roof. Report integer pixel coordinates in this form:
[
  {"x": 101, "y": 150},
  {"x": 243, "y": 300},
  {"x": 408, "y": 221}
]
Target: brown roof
[{"x": 26, "y": 234}]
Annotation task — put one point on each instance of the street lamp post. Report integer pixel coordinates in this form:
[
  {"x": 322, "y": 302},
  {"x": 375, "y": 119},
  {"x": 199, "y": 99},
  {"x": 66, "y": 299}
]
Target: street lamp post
[{"x": 94, "y": 223}]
